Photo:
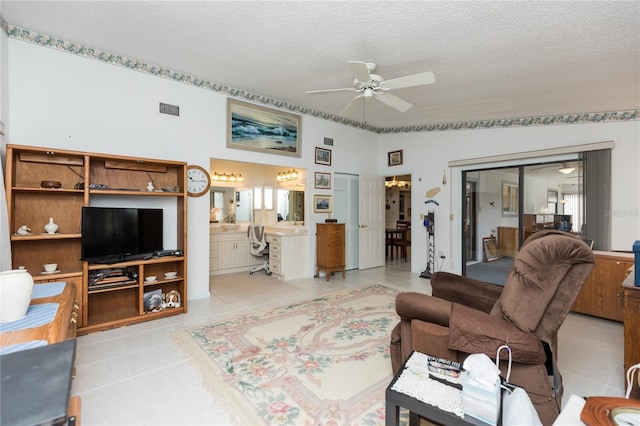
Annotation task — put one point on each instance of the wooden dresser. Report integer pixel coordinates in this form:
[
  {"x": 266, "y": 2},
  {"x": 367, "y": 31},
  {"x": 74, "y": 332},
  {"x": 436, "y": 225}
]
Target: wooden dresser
[{"x": 330, "y": 248}]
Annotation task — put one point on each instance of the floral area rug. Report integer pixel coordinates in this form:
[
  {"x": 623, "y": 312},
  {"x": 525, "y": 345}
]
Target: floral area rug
[{"x": 320, "y": 362}]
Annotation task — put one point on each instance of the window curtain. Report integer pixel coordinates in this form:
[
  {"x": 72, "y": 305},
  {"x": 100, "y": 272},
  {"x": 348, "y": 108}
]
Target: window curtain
[
  {"x": 597, "y": 190},
  {"x": 573, "y": 205}
]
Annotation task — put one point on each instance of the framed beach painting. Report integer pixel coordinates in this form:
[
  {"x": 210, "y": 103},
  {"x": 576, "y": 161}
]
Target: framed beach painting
[
  {"x": 322, "y": 203},
  {"x": 256, "y": 128}
]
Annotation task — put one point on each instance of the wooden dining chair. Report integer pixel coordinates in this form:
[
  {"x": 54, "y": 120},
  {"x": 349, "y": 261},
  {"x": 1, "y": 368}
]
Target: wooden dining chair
[{"x": 401, "y": 243}]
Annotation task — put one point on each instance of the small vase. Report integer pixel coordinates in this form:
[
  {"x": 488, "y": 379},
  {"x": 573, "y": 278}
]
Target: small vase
[
  {"x": 150, "y": 186},
  {"x": 16, "y": 288},
  {"x": 51, "y": 227}
]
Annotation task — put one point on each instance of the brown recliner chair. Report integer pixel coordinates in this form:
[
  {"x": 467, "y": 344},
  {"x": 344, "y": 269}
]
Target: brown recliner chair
[{"x": 465, "y": 316}]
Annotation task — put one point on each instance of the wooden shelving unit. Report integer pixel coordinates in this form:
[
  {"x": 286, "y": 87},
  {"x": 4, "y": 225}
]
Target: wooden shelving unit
[{"x": 87, "y": 178}]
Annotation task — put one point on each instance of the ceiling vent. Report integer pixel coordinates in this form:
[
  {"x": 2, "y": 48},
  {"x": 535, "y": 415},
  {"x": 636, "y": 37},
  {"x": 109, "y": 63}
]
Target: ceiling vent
[{"x": 169, "y": 109}]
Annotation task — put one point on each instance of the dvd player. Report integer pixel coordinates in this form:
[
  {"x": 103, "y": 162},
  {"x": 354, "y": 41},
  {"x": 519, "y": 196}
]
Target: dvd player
[{"x": 163, "y": 253}]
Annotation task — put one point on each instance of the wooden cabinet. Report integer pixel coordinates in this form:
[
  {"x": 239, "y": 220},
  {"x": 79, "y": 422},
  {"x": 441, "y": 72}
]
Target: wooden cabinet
[
  {"x": 231, "y": 252},
  {"x": 507, "y": 241},
  {"x": 330, "y": 248},
  {"x": 90, "y": 179},
  {"x": 601, "y": 294},
  {"x": 287, "y": 256},
  {"x": 631, "y": 317}
]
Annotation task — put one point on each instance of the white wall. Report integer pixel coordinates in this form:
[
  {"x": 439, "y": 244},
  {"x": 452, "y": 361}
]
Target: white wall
[
  {"x": 60, "y": 100},
  {"x": 431, "y": 152},
  {"x": 66, "y": 101}
]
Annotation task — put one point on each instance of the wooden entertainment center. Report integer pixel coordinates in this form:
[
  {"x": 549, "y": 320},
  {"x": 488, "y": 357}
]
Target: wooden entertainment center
[{"x": 44, "y": 183}]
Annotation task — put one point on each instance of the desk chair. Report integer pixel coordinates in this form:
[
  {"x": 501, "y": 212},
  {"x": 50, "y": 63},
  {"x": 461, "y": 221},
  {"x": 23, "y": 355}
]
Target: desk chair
[{"x": 259, "y": 246}]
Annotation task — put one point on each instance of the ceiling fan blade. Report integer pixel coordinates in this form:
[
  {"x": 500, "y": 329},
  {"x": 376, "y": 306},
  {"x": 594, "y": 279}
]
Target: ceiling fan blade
[
  {"x": 394, "y": 102},
  {"x": 344, "y": 89},
  {"x": 410, "y": 81},
  {"x": 350, "y": 106},
  {"x": 360, "y": 70}
]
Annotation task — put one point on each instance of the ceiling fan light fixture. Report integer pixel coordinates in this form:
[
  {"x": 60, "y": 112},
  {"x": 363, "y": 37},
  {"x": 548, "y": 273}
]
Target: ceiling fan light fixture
[
  {"x": 368, "y": 92},
  {"x": 566, "y": 169}
]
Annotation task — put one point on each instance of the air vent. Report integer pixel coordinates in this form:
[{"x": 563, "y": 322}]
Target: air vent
[
  {"x": 169, "y": 109},
  {"x": 328, "y": 141}
]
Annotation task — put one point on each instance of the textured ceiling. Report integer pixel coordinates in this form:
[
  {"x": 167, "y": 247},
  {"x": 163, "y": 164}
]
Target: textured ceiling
[{"x": 491, "y": 60}]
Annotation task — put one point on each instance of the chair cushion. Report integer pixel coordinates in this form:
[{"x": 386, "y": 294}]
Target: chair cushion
[{"x": 473, "y": 331}]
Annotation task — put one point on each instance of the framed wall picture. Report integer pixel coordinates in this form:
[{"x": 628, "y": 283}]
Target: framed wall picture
[
  {"x": 490, "y": 249},
  {"x": 256, "y": 128},
  {"x": 323, "y": 156},
  {"x": 322, "y": 203},
  {"x": 394, "y": 158},
  {"x": 322, "y": 180}
]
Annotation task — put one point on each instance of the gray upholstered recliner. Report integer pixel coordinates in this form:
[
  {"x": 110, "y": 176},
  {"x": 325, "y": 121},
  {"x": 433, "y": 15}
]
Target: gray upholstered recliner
[{"x": 465, "y": 316}]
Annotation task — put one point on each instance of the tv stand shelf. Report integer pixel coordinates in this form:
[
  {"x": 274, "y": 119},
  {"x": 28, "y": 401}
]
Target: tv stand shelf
[{"x": 124, "y": 181}]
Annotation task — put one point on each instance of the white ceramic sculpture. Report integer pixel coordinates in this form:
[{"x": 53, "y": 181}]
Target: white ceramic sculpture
[
  {"x": 16, "y": 287},
  {"x": 51, "y": 227}
]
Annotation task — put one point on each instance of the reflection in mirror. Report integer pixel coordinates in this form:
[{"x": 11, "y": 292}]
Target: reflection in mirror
[
  {"x": 290, "y": 205},
  {"x": 216, "y": 204},
  {"x": 230, "y": 205},
  {"x": 243, "y": 205}
]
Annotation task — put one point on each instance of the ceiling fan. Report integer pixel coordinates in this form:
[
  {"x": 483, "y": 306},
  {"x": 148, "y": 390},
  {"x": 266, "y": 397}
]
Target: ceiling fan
[{"x": 368, "y": 85}]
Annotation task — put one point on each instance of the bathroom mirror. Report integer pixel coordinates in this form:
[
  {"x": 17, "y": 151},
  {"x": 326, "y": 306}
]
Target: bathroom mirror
[
  {"x": 290, "y": 205},
  {"x": 230, "y": 205}
]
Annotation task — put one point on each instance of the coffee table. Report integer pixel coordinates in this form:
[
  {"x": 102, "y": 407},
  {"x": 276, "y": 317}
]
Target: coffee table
[{"x": 396, "y": 399}]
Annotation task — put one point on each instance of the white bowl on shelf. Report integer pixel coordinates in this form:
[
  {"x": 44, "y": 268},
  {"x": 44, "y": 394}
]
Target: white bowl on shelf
[
  {"x": 170, "y": 275},
  {"x": 230, "y": 226},
  {"x": 151, "y": 279}
]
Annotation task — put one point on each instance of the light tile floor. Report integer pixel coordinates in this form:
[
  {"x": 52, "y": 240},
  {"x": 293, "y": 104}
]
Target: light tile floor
[{"x": 136, "y": 376}]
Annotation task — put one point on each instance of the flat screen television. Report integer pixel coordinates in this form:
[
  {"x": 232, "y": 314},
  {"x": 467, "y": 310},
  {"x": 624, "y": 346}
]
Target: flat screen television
[{"x": 113, "y": 234}]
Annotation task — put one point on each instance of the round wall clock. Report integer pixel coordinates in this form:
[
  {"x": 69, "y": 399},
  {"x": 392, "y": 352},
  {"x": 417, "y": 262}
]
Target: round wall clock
[{"x": 198, "y": 181}]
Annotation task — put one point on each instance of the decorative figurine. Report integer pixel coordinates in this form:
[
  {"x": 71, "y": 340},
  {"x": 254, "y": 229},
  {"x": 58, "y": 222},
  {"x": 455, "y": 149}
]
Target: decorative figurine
[{"x": 24, "y": 230}]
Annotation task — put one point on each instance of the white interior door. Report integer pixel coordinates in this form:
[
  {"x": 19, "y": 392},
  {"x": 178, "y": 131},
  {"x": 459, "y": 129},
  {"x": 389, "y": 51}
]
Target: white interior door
[
  {"x": 346, "y": 211},
  {"x": 372, "y": 222}
]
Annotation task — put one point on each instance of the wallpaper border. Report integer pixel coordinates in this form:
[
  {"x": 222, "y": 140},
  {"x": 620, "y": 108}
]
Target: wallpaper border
[{"x": 132, "y": 64}]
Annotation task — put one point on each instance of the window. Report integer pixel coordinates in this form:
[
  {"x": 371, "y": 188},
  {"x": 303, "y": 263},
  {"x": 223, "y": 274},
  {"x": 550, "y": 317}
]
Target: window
[{"x": 509, "y": 199}]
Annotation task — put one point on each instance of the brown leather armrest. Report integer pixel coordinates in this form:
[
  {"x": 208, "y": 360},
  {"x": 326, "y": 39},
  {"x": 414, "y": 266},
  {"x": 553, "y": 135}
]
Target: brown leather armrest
[
  {"x": 423, "y": 307},
  {"x": 466, "y": 291},
  {"x": 473, "y": 331}
]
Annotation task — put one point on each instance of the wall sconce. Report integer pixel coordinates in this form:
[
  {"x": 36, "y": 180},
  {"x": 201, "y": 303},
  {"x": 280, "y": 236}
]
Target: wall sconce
[
  {"x": 288, "y": 175},
  {"x": 224, "y": 177}
]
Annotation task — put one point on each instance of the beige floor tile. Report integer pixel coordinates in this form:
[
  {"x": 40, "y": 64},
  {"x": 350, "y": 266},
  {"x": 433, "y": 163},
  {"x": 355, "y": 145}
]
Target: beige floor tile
[{"x": 134, "y": 375}]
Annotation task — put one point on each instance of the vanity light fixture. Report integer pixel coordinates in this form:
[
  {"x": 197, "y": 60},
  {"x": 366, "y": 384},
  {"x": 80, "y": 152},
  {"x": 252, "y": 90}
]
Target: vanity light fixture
[
  {"x": 287, "y": 175},
  {"x": 227, "y": 177}
]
